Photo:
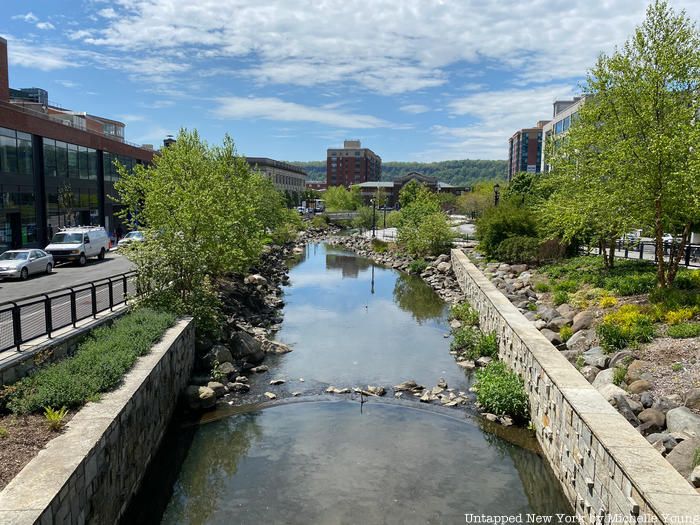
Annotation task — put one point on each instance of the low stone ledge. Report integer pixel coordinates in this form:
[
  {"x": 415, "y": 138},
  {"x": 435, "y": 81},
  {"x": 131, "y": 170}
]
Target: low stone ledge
[
  {"x": 606, "y": 468},
  {"x": 89, "y": 473}
]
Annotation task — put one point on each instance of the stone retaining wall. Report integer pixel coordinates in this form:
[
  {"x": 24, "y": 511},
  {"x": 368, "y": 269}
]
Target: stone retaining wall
[
  {"x": 607, "y": 469},
  {"x": 89, "y": 473}
]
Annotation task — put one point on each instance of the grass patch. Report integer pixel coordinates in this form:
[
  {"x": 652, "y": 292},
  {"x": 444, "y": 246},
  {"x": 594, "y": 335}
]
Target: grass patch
[
  {"x": 565, "y": 333},
  {"x": 626, "y": 326},
  {"x": 560, "y": 297},
  {"x": 542, "y": 287},
  {"x": 684, "y": 330},
  {"x": 472, "y": 344},
  {"x": 464, "y": 313},
  {"x": 607, "y": 301},
  {"x": 500, "y": 391},
  {"x": 619, "y": 375},
  {"x": 417, "y": 266},
  {"x": 98, "y": 365},
  {"x": 379, "y": 245}
]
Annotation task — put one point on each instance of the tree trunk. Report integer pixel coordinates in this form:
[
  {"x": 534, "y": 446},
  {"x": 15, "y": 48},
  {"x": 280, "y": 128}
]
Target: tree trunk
[
  {"x": 659, "y": 232},
  {"x": 603, "y": 252},
  {"x": 675, "y": 262},
  {"x": 612, "y": 253}
]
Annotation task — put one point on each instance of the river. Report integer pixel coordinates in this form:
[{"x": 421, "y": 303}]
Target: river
[{"x": 331, "y": 459}]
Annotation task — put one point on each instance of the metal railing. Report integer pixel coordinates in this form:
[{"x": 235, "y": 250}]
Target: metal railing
[
  {"x": 41, "y": 315},
  {"x": 646, "y": 250}
]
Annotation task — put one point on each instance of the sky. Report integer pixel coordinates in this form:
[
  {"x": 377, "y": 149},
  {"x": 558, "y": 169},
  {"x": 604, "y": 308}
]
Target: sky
[{"x": 415, "y": 80}]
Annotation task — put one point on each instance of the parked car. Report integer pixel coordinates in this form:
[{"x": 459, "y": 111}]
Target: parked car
[
  {"x": 78, "y": 244},
  {"x": 23, "y": 263},
  {"x": 135, "y": 236}
]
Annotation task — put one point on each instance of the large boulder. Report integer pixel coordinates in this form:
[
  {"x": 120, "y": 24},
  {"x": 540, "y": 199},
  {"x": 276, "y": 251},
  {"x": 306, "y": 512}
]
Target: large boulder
[
  {"x": 605, "y": 377},
  {"x": 682, "y": 419},
  {"x": 581, "y": 341},
  {"x": 595, "y": 357},
  {"x": 275, "y": 347},
  {"x": 692, "y": 398},
  {"x": 637, "y": 370},
  {"x": 623, "y": 407},
  {"x": 664, "y": 404},
  {"x": 547, "y": 313},
  {"x": 653, "y": 420},
  {"x": 610, "y": 391},
  {"x": 552, "y": 337},
  {"x": 558, "y": 323},
  {"x": 217, "y": 354},
  {"x": 200, "y": 397},
  {"x": 682, "y": 455},
  {"x": 245, "y": 347},
  {"x": 583, "y": 320},
  {"x": 566, "y": 311},
  {"x": 639, "y": 386},
  {"x": 589, "y": 372}
]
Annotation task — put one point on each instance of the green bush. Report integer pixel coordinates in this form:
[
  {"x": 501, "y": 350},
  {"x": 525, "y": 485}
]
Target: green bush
[
  {"x": 393, "y": 218},
  {"x": 472, "y": 344},
  {"x": 565, "y": 333},
  {"x": 684, "y": 330},
  {"x": 98, "y": 365},
  {"x": 560, "y": 297},
  {"x": 379, "y": 246},
  {"x": 432, "y": 235},
  {"x": 542, "y": 287},
  {"x": 503, "y": 222},
  {"x": 501, "y": 392},
  {"x": 626, "y": 326},
  {"x": 518, "y": 249},
  {"x": 364, "y": 218},
  {"x": 619, "y": 375},
  {"x": 674, "y": 298},
  {"x": 465, "y": 313},
  {"x": 320, "y": 221},
  {"x": 417, "y": 266}
]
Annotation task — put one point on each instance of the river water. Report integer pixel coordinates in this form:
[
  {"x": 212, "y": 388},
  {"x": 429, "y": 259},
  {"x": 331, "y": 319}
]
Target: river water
[{"x": 331, "y": 459}]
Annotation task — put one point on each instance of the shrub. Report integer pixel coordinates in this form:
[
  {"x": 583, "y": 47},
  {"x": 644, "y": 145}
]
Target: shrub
[
  {"x": 431, "y": 235},
  {"x": 393, "y": 218},
  {"x": 567, "y": 285},
  {"x": 518, "y": 249},
  {"x": 465, "y": 313},
  {"x": 364, "y": 218},
  {"x": 503, "y": 222},
  {"x": 98, "y": 365},
  {"x": 565, "y": 333},
  {"x": 626, "y": 326},
  {"x": 560, "y": 297},
  {"x": 417, "y": 266},
  {"x": 684, "y": 330},
  {"x": 673, "y": 298},
  {"x": 542, "y": 287},
  {"x": 54, "y": 418},
  {"x": 320, "y": 222},
  {"x": 607, "y": 301},
  {"x": 500, "y": 391},
  {"x": 619, "y": 375},
  {"x": 3, "y": 432},
  {"x": 678, "y": 316},
  {"x": 379, "y": 246},
  {"x": 470, "y": 342}
]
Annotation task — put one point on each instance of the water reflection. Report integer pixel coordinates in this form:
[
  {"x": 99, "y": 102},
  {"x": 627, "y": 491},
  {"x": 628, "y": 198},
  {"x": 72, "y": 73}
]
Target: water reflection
[
  {"x": 327, "y": 463},
  {"x": 412, "y": 295},
  {"x": 349, "y": 265}
]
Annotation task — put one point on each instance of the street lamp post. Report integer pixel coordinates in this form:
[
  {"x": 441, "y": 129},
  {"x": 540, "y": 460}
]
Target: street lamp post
[
  {"x": 374, "y": 210},
  {"x": 496, "y": 194},
  {"x": 385, "y": 217}
]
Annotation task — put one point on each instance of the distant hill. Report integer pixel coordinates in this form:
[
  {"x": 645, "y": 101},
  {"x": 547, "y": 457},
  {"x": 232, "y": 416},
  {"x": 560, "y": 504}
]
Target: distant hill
[{"x": 457, "y": 172}]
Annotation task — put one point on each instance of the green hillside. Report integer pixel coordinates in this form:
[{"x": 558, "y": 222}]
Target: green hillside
[{"x": 457, "y": 172}]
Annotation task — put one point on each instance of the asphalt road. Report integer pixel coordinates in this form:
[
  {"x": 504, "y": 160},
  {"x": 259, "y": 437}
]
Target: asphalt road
[{"x": 63, "y": 276}]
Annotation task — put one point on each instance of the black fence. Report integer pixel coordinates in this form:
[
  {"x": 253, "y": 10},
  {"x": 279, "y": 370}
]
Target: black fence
[
  {"x": 43, "y": 314},
  {"x": 646, "y": 250}
]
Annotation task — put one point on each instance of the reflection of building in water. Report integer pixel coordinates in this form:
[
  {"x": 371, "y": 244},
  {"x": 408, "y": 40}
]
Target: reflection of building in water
[{"x": 350, "y": 265}]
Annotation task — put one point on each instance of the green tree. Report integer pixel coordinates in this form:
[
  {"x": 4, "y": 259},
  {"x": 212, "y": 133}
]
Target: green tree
[
  {"x": 409, "y": 192},
  {"x": 636, "y": 146},
  {"x": 204, "y": 214},
  {"x": 338, "y": 198},
  {"x": 423, "y": 228}
]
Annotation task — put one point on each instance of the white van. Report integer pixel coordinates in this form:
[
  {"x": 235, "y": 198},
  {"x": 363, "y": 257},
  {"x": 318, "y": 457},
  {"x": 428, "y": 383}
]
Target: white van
[{"x": 79, "y": 243}]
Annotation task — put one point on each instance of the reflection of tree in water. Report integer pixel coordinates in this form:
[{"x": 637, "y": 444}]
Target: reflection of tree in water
[
  {"x": 544, "y": 494},
  {"x": 414, "y": 296},
  {"x": 349, "y": 265},
  {"x": 212, "y": 460}
]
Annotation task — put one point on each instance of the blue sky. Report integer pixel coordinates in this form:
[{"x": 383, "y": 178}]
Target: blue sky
[{"x": 415, "y": 80}]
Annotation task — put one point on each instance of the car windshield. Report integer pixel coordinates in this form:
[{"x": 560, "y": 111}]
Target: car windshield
[
  {"x": 134, "y": 235},
  {"x": 67, "y": 238},
  {"x": 14, "y": 256}
]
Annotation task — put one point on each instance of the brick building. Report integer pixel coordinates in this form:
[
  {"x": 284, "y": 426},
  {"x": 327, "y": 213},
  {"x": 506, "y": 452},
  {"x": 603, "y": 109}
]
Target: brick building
[
  {"x": 525, "y": 150},
  {"x": 56, "y": 165},
  {"x": 352, "y": 164}
]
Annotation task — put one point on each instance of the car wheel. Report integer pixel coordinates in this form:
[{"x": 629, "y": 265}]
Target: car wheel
[
  {"x": 49, "y": 267},
  {"x": 101, "y": 256},
  {"x": 82, "y": 260},
  {"x": 24, "y": 274}
]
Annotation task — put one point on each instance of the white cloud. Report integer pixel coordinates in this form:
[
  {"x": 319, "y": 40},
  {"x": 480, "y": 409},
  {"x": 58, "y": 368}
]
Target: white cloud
[
  {"x": 394, "y": 46},
  {"x": 131, "y": 118},
  {"x": 29, "y": 17},
  {"x": 67, "y": 83},
  {"x": 280, "y": 110},
  {"x": 45, "y": 26},
  {"x": 108, "y": 13},
  {"x": 495, "y": 116},
  {"x": 43, "y": 57},
  {"x": 414, "y": 108}
]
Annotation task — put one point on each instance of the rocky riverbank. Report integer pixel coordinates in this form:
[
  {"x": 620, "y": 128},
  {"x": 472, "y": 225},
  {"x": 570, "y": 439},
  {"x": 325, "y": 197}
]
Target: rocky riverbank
[{"x": 669, "y": 418}]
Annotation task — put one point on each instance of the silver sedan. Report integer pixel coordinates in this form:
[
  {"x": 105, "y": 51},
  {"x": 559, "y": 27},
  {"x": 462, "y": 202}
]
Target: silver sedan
[{"x": 22, "y": 263}]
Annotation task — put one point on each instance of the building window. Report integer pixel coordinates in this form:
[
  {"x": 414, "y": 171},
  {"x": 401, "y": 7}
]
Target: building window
[
  {"x": 25, "y": 162},
  {"x": 61, "y": 159},
  {"x": 50, "y": 158},
  {"x": 8, "y": 150},
  {"x": 73, "y": 172}
]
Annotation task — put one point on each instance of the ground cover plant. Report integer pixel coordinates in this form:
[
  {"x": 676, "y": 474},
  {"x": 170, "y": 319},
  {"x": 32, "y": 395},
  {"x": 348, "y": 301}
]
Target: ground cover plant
[{"x": 501, "y": 392}]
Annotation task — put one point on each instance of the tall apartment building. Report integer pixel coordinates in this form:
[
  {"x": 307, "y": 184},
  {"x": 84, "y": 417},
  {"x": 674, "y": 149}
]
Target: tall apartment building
[
  {"x": 56, "y": 165},
  {"x": 564, "y": 114},
  {"x": 284, "y": 176},
  {"x": 525, "y": 150},
  {"x": 352, "y": 164}
]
